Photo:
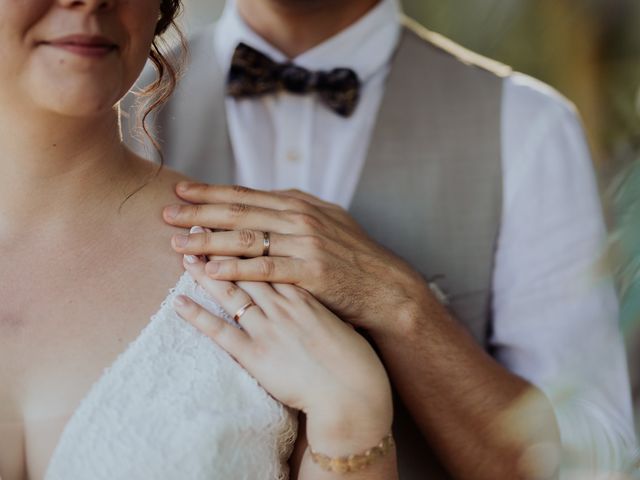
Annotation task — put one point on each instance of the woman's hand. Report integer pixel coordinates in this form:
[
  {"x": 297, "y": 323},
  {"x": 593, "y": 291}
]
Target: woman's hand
[{"x": 303, "y": 355}]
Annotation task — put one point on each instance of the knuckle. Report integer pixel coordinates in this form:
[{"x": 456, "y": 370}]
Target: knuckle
[
  {"x": 231, "y": 290},
  {"x": 195, "y": 211},
  {"x": 315, "y": 242},
  {"x": 247, "y": 238},
  {"x": 307, "y": 221},
  {"x": 318, "y": 268},
  {"x": 240, "y": 190},
  {"x": 206, "y": 238},
  {"x": 232, "y": 269},
  {"x": 340, "y": 211},
  {"x": 299, "y": 205},
  {"x": 266, "y": 267},
  {"x": 238, "y": 209}
]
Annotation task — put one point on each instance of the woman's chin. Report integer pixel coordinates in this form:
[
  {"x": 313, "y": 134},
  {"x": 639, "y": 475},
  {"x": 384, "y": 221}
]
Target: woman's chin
[
  {"x": 77, "y": 102},
  {"x": 73, "y": 92}
]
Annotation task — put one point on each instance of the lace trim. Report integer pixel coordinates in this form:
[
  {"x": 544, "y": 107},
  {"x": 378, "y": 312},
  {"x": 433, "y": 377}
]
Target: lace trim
[{"x": 174, "y": 386}]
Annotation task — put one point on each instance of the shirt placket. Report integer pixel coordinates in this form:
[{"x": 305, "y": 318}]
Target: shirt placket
[{"x": 293, "y": 145}]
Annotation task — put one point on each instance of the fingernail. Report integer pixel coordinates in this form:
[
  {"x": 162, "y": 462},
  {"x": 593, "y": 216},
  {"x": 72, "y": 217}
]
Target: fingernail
[
  {"x": 196, "y": 229},
  {"x": 183, "y": 186},
  {"x": 172, "y": 212},
  {"x": 181, "y": 240},
  {"x": 212, "y": 267},
  {"x": 180, "y": 301},
  {"x": 191, "y": 259}
]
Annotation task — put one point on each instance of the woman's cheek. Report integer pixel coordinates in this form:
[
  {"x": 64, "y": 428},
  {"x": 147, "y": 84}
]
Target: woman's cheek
[{"x": 141, "y": 27}]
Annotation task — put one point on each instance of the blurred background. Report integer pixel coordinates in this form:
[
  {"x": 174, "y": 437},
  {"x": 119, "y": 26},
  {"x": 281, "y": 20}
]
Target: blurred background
[{"x": 587, "y": 49}]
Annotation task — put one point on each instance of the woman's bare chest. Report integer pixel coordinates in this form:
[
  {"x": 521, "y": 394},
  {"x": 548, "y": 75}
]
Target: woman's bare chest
[{"x": 56, "y": 338}]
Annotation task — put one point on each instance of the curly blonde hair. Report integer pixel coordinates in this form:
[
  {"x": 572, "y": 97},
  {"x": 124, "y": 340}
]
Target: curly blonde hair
[{"x": 166, "y": 66}]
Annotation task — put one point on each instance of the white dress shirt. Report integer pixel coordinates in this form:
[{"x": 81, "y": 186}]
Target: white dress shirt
[{"x": 554, "y": 315}]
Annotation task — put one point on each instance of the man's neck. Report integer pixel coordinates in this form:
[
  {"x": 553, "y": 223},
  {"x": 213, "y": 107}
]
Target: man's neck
[{"x": 295, "y": 26}]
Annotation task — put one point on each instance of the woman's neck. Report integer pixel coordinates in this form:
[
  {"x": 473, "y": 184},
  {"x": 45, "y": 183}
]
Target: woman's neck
[{"x": 59, "y": 171}]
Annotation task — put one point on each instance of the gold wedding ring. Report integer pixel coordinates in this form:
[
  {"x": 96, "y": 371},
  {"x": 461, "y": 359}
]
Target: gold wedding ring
[
  {"x": 266, "y": 244},
  {"x": 243, "y": 310}
]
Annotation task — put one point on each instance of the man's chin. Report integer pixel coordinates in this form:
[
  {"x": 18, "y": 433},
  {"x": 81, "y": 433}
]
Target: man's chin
[{"x": 309, "y": 5}]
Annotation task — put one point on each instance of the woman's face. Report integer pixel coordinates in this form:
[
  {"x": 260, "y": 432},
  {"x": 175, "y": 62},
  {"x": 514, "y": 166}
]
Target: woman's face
[{"x": 73, "y": 57}]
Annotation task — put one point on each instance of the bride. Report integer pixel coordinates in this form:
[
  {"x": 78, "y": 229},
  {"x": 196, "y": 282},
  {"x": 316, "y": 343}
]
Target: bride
[{"x": 90, "y": 388}]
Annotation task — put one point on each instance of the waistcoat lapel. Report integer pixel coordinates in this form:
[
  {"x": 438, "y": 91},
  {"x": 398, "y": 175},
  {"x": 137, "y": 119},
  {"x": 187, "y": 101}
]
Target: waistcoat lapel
[{"x": 431, "y": 189}]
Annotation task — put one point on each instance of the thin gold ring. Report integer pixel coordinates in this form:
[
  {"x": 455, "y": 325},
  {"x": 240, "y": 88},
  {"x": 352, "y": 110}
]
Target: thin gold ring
[
  {"x": 266, "y": 244},
  {"x": 243, "y": 310}
]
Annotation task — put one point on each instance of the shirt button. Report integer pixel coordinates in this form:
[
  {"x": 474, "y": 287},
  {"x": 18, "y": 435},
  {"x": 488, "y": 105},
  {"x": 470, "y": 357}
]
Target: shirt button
[{"x": 293, "y": 156}]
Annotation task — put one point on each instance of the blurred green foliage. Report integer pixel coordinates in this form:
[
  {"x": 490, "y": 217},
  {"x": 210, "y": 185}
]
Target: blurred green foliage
[{"x": 588, "y": 49}]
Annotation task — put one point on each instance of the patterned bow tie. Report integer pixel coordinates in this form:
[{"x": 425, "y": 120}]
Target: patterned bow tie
[{"x": 253, "y": 74}]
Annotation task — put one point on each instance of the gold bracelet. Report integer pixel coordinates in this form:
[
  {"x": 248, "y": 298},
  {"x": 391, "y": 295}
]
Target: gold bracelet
[{"x": 355, "y": 462}]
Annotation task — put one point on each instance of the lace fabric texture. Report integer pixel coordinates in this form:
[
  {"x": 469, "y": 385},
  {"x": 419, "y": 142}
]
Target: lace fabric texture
[{"x": 175, "y": 405}]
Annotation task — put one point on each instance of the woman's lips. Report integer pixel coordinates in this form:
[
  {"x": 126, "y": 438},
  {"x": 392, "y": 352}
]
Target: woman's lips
[{"x": 86, "y": 46}]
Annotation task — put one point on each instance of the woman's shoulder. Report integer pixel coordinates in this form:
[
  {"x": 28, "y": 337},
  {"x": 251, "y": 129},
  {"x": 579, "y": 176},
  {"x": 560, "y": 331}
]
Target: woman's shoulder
[
  {"x": 152, "y": 189},
  {"x": 154, "y": 184}
]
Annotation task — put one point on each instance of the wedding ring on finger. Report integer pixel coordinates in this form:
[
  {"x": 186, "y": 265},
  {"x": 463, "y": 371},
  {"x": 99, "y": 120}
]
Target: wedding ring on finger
[
  {"x": 266, "y": 244},
  {"x": 243, "y": 310}
]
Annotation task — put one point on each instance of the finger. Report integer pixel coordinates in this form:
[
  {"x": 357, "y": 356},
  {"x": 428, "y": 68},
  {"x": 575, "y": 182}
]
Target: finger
[
  {"x": 228, "y": 295},
  {"x": 261, "y": 269},
  {"x": 232, "y": 339},
  {"x": 332, "y": 210},
  {"x": 306, "y": 197},
  {"x": 298, "y": 295},
  {"x": 236, "y": 243},
  {"x": 240, "y": 216},
  {"x": 229, "y": 194},
  {"x": 267, "y": 298}
]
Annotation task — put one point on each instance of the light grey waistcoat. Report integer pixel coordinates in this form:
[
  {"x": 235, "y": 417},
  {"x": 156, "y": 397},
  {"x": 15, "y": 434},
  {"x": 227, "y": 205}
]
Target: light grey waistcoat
[{"x": 431, "y": 188}]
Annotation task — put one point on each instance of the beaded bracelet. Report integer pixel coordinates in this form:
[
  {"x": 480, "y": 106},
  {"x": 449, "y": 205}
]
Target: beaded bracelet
[{"x": 355, "y": 462}]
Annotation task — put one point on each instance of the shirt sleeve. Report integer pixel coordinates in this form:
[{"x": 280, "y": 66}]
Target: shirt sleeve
[{"x": 555, "y": 311}]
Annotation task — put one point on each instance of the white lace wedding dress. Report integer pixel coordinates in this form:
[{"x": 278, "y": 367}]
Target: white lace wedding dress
[{"x": 175, "y": 406}]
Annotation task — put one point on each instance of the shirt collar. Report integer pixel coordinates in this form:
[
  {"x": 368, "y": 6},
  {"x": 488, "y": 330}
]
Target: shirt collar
[{"x": 366, "y": 46}]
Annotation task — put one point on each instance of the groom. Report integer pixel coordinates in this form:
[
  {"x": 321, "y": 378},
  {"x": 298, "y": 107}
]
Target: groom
[{"x": 476, "y": 192}]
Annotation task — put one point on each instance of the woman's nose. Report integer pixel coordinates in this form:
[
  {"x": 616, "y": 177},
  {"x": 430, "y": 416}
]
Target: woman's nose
[{"x": 89, "y": 5}]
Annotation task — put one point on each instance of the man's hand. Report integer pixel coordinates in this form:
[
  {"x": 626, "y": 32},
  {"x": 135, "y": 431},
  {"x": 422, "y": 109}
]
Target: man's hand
[{"x": 314, "y": 245}]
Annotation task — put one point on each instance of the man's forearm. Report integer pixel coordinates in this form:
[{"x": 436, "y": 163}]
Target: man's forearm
[{"x": 482, "y": 421}]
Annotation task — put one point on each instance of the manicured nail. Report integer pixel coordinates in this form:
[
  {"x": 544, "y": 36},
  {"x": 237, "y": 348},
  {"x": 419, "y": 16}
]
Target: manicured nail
[
  {"x": 212, "y": 267},
  {"x": 191, "y": 259},
  {"x": 181, "y": 240},
  {"x": 180, "y": 301},
  {"x": 172, "y": 212}
]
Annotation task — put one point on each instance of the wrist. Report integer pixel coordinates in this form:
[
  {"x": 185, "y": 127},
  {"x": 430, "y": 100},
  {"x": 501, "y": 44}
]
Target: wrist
[
  {"x": 413, "y": 304},
  {"x": 354, "y": 462},
  {"x": 348, "y": 429}
]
